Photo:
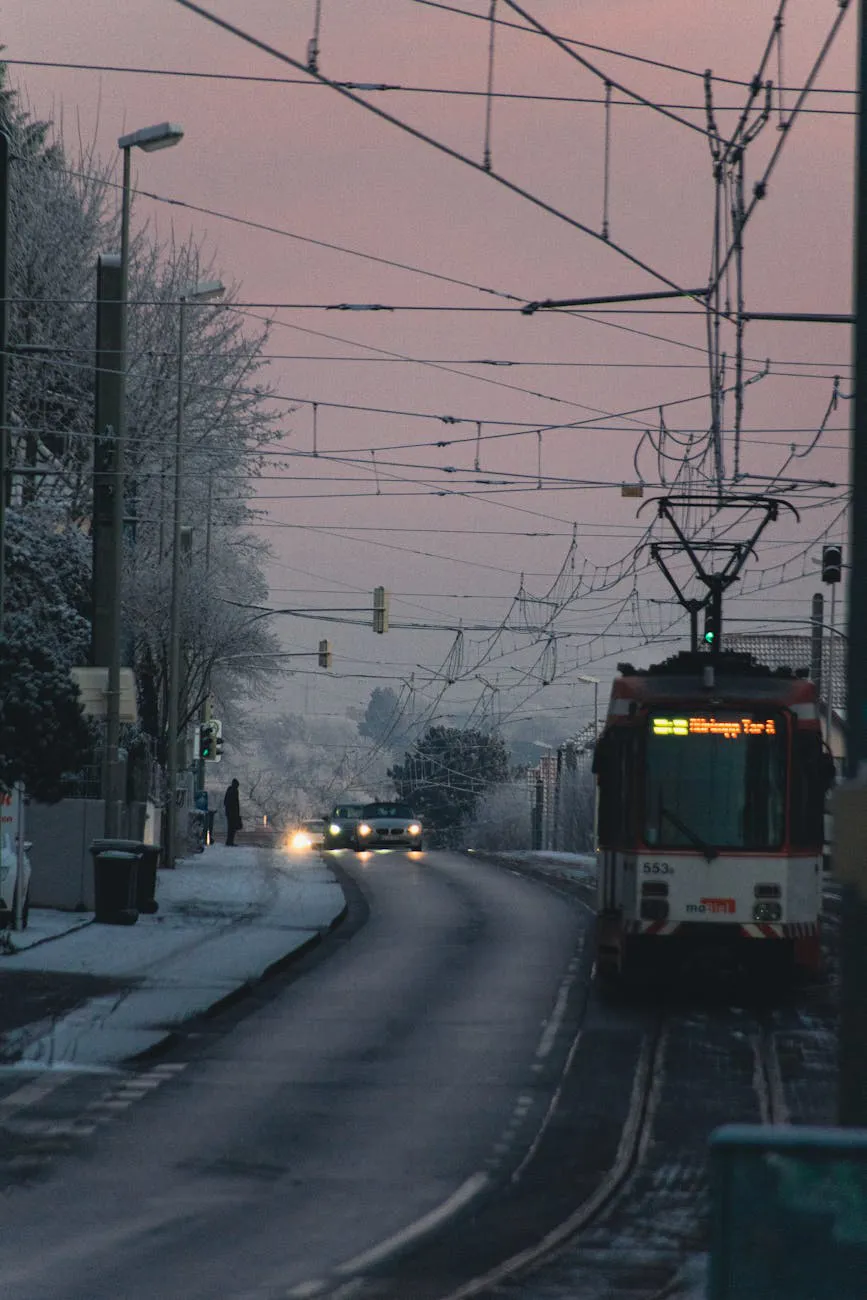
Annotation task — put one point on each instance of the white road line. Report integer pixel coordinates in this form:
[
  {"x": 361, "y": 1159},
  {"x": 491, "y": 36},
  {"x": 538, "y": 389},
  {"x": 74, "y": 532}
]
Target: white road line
[
  {"x": 552, "y": 1028},
  {"x": 30, "y": 1093},
  {"x": 429, "y": 1222}
]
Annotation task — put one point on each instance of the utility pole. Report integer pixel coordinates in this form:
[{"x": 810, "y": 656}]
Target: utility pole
[
  {"x": 817, "y": 628},
  {"x": 853, "y": 951},
  {"x": 106, "y": 419},
  {"x": 108, "y": 518},
  {"x": 4, "y": 358}
]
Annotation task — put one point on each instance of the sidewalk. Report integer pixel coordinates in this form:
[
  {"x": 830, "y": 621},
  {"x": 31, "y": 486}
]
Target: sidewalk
[{"x": 98, "y": 994}]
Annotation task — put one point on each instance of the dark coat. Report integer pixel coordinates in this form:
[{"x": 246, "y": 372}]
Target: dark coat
[{"x": 232, "y": 805}]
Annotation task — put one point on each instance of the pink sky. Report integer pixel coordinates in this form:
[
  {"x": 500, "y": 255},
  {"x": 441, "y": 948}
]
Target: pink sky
[{"x": 302, "y": 159}]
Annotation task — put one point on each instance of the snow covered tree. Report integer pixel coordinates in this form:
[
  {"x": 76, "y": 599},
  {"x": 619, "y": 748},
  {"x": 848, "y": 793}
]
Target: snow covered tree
[
  {"x": 502, "y": 818},
  {"x": 63, "y": 214},
  {"x": 304, "y": 766},
  {"x": 44, "y": 736},
  {"x": 385, "y": 721}
]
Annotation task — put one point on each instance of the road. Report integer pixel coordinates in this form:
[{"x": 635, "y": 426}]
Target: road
[{"x": 382, "y": 1089}]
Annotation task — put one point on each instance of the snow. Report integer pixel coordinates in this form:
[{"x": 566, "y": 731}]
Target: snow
[
  {"x": 577, "y": 866},
  {"x": 225, "y": 917}
]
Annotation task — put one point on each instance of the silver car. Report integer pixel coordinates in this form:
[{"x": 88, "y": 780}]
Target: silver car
[
  {"x": 340, "y": 826},
  {"x": 387, "y": 825}
]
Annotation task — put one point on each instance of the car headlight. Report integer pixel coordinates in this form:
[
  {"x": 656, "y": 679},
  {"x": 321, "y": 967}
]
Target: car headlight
[
  {"x": 301, "y": 840},
  {"x": 364, "y": 829},
  {"x": 413, "y": 829},
  {"x": 334, "y": 829}
]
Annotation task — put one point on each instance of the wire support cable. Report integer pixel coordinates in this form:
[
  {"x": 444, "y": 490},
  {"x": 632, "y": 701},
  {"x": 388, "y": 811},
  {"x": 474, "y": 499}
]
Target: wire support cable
[
  {"x": 489, "y": 100},
  {"x": 590, "y": 67},
  {"x": 760, "y": 188},
  {"x": 439, "y": 145}
]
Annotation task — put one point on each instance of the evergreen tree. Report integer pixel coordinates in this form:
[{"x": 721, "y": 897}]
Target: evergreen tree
[{"x": 448, "y": 770}]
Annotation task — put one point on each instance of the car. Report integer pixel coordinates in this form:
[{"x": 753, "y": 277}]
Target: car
[
  {"x": 309, "y": 835},
  {"x": 8, "y": 877},
  {"x": 340, "y": 825},
  {"x": 388, "y": 825}
]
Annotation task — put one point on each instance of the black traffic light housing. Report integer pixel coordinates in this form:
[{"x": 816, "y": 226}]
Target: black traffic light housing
[
  {"x": 832, "y": 563},
  {"x": 207, "y": 740},
  {"x": 711, "y": 627}
]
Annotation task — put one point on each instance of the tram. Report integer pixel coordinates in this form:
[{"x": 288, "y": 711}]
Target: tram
[{"x": 711, "y": 775}]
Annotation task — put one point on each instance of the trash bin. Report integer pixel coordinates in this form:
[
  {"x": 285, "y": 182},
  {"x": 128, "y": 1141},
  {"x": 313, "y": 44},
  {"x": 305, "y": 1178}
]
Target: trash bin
[
  {"x": 147, "y": 855},
  {"x": 146, "y": 878},
  {"x": 115, "y": 872}
]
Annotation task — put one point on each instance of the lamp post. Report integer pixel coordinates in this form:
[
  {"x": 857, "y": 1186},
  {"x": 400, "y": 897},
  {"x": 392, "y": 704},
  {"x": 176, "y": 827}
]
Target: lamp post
[
  {"x": 205, "y": 291},
  {"x": 148, "y": 138}
]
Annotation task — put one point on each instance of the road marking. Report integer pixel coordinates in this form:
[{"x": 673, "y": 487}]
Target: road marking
[
  {"x": 429, "y": 1222},
  {"x": 555, "y": 1021},
  {"x": 30, "y": 1093}
]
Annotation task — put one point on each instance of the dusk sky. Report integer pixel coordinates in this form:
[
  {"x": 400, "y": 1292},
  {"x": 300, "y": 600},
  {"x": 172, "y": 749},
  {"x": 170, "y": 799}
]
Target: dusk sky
[{"x": 449, "y": 541}]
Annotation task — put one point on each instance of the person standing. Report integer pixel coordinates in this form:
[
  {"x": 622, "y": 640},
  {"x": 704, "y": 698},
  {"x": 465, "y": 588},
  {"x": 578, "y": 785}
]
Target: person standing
[{"x": 232, "y": 805}]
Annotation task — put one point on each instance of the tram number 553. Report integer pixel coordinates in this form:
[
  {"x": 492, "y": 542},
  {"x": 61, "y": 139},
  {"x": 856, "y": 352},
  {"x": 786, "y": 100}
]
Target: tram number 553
[{"x": 657, "y": 869}]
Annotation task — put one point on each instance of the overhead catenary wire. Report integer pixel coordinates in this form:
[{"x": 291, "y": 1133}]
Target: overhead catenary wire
[
  {"x": 439, "y": 145},
  {"x": 477, "y": 428}
]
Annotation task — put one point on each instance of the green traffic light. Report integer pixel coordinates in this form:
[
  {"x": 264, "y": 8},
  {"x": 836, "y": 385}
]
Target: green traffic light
[{"x": 710, "y": 637}]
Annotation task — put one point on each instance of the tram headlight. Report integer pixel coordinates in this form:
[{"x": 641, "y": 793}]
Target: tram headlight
[
  {"x": 767, "y": 913},
  {"x": 654, "y": 909}
]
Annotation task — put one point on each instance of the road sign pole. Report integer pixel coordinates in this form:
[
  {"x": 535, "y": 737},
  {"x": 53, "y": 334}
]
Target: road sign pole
[{"x": 853, "y": 952}]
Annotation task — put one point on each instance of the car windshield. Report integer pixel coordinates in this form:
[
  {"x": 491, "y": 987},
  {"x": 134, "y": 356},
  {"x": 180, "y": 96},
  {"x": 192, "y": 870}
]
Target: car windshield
[
  {"x": 374, "y": 810},
  {"x": 715, "y": 780},
  {"x": 347, "y": 811}
]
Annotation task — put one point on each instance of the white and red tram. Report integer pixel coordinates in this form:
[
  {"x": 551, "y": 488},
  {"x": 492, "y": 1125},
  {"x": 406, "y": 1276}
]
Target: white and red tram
[{"x": 711, "y": 777}]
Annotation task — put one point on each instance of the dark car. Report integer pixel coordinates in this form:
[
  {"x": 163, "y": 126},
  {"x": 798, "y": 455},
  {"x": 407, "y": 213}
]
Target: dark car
[
  {"x": 386, "y": 825},
  {"x": 340, "y": 826}
]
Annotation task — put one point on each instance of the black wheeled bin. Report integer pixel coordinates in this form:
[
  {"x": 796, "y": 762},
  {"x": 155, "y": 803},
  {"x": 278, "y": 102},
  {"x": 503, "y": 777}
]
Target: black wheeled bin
[{"x": 115, "y": 881}]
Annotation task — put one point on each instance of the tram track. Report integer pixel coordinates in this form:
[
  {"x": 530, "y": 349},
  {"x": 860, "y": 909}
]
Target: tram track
[
  {"x": 635, "y": 1136},
  {"x": 638, "y": 1232}
]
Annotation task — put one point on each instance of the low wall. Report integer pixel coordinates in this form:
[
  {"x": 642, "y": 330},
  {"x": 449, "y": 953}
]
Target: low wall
[{"x": 60, "y": 836}]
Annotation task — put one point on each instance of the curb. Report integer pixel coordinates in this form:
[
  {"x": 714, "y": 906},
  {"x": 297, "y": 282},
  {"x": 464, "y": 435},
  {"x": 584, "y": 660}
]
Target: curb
[{"x": 175, "y": 1035}]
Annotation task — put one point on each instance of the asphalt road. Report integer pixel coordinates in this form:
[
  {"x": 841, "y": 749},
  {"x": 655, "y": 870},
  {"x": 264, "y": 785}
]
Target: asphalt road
[{"x": 386, "y": 1087}]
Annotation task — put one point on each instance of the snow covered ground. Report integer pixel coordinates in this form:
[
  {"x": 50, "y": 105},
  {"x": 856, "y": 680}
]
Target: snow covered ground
[{"x": 225, "y": 917}]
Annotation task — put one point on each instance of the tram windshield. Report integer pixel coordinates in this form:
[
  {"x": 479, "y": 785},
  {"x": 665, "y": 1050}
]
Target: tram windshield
[{"x": 715, "y": 780}]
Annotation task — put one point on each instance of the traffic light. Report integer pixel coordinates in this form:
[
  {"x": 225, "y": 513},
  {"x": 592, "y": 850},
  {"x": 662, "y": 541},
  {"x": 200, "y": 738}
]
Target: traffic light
[
  {"x": 324, "y": 654},
  {"x": 380, "y": 609},
  {"x": 211, "y": 741},
  {"x": 832, "y": 563},
  {"x": 711, "y": 628},
  {"x": 207, "y": 740}
]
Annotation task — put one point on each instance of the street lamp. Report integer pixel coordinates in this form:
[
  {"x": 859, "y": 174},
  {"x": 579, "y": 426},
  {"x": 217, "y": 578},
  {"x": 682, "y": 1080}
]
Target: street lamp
[
  {"x": 148, "y": 138},
  {"x": 594, "y": 682},
  {"x": 204, "y": 291}
]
